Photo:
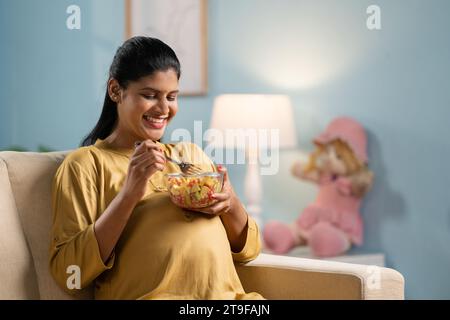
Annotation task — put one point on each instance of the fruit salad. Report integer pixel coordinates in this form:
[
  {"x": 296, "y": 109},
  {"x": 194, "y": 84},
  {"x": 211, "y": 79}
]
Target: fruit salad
[{"x": 193, "y": 191}]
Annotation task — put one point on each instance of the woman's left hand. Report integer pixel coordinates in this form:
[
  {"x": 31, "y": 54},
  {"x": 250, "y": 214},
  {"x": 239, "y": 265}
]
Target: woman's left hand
[
  {"x": 231, "y": 212},
  {"x": 226, "y": 199}
]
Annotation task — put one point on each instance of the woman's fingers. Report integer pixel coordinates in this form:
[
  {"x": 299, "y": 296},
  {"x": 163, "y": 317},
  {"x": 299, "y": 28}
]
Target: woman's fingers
[
  {"x": 146, "y": 145},
  {"x": 148, "y": 163},
  {"x": 223, "y": 170},
  {"x": 224, "y": 198},
  {"x": 152, "y": 159},
  {"x": 153, "y": 167},
  {"x": 221, "y": 196},
  {"x": 147, "y": 169},
  {"x": 159, "y": 157},
  {"x": 226, "y": 180},
  {"x": 218, "y": 208},
  {"x": 135, "y": 159},
  {"x": 153, "y": 155}
]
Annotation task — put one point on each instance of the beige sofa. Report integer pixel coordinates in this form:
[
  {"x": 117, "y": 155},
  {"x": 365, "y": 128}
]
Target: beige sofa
[{"x": 25, "y": 219}]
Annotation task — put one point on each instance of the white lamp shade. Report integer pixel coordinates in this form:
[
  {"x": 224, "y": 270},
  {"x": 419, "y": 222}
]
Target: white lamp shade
[{"x": 257, "y": 112}]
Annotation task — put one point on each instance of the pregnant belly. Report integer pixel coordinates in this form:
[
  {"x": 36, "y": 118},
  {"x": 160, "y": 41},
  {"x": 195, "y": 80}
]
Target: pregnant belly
[{"x": 160, "y": 246}]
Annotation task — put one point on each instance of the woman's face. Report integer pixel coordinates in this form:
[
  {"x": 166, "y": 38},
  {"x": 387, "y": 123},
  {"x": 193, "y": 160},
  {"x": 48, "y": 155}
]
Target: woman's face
[{"x": 147, "y": 105}]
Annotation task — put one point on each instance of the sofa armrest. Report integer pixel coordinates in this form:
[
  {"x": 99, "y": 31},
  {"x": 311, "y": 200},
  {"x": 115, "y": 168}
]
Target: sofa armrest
[{"x": 282, "y": 277}]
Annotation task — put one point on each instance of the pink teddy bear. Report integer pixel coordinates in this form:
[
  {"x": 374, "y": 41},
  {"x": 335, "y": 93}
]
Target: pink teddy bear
[{"x": 332, "y": 223}]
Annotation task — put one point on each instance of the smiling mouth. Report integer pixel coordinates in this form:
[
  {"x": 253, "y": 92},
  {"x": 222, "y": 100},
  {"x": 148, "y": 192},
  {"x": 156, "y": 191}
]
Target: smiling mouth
[
  {"x": 154, "y": 119},
  {"x": 155, "y": 122}
]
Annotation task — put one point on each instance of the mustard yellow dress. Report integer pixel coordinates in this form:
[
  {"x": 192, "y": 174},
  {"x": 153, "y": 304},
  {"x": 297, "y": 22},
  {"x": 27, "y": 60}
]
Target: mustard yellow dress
[{"x": 164, "y": 252}]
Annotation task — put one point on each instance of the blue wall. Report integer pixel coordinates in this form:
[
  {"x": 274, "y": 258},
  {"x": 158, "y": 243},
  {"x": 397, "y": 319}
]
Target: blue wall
[
  {"x": 6, "y": 86},
  {"x": 52, "y": 74},
  {"x": 395, "y": 81}
]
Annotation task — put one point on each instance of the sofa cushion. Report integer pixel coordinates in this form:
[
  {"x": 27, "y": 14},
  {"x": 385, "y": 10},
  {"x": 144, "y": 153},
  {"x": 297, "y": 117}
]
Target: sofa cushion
[
  {"x": 17, "y": 273},
  {"x": 31, "y": 176}
]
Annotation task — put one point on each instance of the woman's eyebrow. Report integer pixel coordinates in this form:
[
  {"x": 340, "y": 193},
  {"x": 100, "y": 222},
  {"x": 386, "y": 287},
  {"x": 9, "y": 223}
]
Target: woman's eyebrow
[{"x": 153, "y": 89}]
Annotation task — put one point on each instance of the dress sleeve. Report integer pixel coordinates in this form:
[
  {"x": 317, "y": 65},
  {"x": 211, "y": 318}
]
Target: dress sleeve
[
  {"x": 252, "y": 246},
  {"x": 73, "y": 244}
]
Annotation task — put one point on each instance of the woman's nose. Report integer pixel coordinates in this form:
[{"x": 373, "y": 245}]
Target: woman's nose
[{"x": 164, "y": 106}]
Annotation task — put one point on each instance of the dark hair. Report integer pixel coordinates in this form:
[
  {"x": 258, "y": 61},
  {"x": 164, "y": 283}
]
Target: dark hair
[{"x": 135, "y": 58}]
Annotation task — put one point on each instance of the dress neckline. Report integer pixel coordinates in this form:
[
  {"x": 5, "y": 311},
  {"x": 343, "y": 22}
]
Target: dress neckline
[{"x": 103, "y": 144}]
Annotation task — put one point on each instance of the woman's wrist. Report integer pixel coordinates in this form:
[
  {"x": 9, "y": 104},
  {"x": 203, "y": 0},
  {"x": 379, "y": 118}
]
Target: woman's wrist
[
  {"x": 125, "y": 201},
  {"x": 237, "y": 215},
  {"x": 235, "y": 222},
  {"x": 235, "y": 204}
]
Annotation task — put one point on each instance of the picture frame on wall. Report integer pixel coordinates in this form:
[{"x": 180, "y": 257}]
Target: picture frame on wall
[{"x": 182, "y": 24}]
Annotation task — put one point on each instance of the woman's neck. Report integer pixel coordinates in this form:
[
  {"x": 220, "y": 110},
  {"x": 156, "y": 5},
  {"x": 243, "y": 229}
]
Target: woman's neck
[{"x": 121, "y": 140}]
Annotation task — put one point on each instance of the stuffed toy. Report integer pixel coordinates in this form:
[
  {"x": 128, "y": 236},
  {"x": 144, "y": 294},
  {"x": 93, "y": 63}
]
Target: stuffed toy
[{"x": 332, "y": 223}]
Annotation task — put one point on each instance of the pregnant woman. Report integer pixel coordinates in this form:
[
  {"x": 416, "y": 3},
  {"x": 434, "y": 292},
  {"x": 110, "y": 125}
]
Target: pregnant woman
[{"x": 112, "y": 216}]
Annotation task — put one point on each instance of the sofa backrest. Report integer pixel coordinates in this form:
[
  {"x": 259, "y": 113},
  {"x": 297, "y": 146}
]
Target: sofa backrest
[{"x": 25, "y": 222}]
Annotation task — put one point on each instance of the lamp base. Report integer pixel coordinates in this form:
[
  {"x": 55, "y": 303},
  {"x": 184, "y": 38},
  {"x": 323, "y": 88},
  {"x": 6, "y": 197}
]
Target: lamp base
[{"x": 253, "y": 186}]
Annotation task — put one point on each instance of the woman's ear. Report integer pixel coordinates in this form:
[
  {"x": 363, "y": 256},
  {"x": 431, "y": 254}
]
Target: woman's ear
[{"x": 114, "y": 90}]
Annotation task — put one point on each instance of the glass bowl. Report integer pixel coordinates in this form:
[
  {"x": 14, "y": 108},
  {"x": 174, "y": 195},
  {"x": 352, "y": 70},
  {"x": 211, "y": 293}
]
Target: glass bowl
[{"x": 193, "y": 191}]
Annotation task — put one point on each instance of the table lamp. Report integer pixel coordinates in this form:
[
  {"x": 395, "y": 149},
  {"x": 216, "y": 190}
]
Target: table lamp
[{"x": 236, "y": 114}]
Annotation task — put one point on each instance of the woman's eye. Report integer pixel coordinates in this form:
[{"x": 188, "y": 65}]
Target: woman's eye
[
  {"x": 149, "y": 97},
  {"x": 171, "y": 98}
]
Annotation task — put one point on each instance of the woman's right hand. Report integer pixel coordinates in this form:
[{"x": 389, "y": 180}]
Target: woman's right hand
[{"x": 147, "y": 158}]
